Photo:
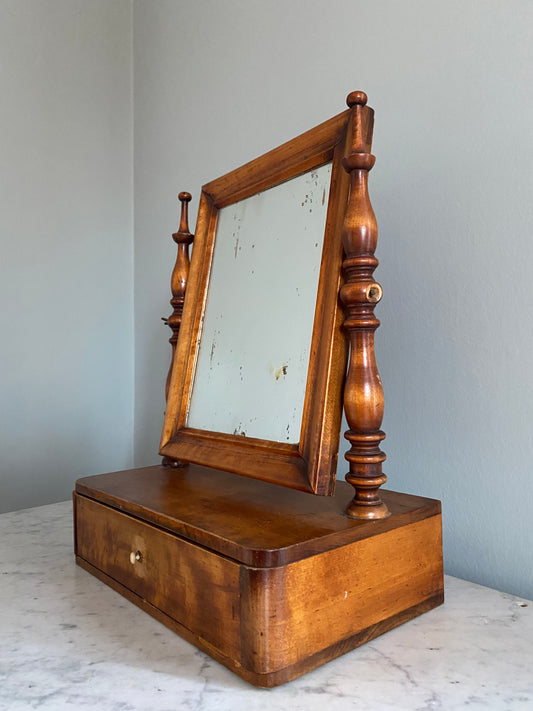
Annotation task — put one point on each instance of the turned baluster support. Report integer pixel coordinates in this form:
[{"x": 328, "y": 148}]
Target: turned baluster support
[
  {"x": 178, "y": 284},
  {"x": 363, "y": 392}
]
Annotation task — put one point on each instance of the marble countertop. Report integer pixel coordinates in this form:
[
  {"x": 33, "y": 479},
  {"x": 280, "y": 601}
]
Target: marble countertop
[{"x": 67, "y": 641}]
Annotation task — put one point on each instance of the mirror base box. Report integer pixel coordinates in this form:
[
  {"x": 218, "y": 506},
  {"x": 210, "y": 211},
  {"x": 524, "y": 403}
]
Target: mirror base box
[{"x": 270, "y": 583}]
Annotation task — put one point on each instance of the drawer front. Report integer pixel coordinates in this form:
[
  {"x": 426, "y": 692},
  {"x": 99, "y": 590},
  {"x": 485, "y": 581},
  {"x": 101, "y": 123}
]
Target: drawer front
[{"x": 197, "y": 588}]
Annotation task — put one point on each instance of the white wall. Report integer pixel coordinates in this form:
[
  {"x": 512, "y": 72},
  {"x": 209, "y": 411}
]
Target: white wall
[
  {"x": 66, "y": 322},
  {"x": 217, "y": 83}
]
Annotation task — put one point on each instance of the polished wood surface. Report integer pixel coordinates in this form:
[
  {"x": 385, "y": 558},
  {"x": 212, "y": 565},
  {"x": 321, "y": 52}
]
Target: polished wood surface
[
  {"x": 312, "y": 148},
  {"x": 363, "y": 392},
  {"x": 183, "y": 580},
  {"x": 282, "y": 676},
  {"x": 311, "y": 464},
  {"x": 267, "y": 587},
  {"x": 305, "y": 607},
  {"x": 178, "y": 281},
  {"x": 247, "y": 520},
  {"x": 178, "y": 286}
]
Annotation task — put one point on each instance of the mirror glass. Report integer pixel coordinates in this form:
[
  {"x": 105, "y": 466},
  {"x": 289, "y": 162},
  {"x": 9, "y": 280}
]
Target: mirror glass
[{"x": 251, "y": 368}]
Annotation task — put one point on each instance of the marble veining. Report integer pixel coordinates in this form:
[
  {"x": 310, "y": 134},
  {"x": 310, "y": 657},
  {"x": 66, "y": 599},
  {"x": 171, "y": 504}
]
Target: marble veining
[{"x": 68, "y": 641}]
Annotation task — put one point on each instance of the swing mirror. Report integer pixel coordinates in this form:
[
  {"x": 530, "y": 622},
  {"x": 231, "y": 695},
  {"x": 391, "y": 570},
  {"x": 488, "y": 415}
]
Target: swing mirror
[{"x": 257, "y": 378}]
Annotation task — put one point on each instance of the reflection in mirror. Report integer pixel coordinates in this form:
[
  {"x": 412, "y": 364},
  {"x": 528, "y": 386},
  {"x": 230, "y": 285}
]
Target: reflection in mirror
[{"x": 251, "y": 369}]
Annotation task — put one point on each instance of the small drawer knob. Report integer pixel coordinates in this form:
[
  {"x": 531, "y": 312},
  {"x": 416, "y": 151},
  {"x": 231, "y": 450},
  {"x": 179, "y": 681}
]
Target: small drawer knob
[{"x": 136, "y": 557}]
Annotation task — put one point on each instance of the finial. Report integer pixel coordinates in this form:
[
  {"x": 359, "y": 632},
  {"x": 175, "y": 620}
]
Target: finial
[
  {"x": 178, "y": 285},
  {"x": 183, "y": 236},
  {"x": 356, "y": 98}
]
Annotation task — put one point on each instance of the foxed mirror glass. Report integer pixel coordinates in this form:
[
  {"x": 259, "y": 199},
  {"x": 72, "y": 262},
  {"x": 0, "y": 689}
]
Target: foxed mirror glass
[
  {"x": 257, "y": 378},
  {"x": 258, "y": 324}
]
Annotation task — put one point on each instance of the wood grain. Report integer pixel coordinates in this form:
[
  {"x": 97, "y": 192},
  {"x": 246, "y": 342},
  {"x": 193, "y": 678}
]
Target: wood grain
[
  {"x": 178, "y": 282},
  {"x": 178, "y": 286},
  {"x": 268, "y": 624},
  {"x": 188, "y": 583},
  {"x": 286, "y": 674},
  {"x": 245, "y": 519},
  {"x": 312, "y": 148},
  {"x": 363, "y": 392},
  {"x": 309, "y": 605}
]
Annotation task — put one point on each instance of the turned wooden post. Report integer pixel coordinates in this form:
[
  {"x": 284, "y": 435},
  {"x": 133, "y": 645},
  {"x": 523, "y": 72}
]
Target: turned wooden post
[
  {"x": 363, "y": 393},
  {"x": 178, "y": 284}
]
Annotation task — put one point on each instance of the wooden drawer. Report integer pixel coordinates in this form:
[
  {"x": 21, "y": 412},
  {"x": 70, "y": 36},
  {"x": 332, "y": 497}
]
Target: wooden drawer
[
  {"x": 195, "y": 587},
  {"x": 309, "y": 601}
]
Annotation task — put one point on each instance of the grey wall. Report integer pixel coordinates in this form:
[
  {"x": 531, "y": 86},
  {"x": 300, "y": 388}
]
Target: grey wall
[
  {"x": 66, "y": 321},
  {"x": 217, "y": 83}
]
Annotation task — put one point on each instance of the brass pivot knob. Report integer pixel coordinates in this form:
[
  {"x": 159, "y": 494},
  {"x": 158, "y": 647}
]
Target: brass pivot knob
[
  {"x": 374, "y": 293},
  {"x": 136, "y": 557}
]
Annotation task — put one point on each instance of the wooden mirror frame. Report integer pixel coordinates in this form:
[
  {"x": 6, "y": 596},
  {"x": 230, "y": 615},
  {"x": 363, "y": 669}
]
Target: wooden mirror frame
[{"x": 311, "y": 464}]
